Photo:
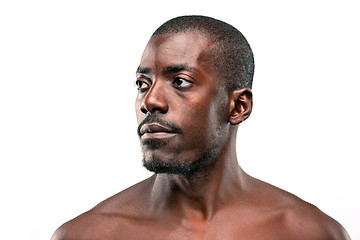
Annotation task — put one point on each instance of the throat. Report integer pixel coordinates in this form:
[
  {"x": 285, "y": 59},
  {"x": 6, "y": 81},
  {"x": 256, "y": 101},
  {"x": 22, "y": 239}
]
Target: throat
[{"x": 197, "y": 197}]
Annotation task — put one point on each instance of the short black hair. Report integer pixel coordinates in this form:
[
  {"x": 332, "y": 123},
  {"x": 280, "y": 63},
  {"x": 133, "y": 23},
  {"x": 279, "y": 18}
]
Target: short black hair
[{"x": 232, "y": 55}]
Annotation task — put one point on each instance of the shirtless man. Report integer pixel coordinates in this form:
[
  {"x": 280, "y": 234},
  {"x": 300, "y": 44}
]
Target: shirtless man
[{"x": 194, "y": 89}]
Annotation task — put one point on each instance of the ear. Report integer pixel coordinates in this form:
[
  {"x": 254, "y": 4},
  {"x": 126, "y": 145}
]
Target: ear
[{"x": 241, "y": 102}]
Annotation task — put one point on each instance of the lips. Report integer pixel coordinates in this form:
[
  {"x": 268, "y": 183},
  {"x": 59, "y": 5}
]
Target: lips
[{"x": 155, "y": 129}]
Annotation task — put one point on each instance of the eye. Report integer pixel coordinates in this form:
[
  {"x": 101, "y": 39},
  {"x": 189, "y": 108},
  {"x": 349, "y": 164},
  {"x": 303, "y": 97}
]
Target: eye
[
  {"x": 181, "y": 82},
  {"x": 141, "y": 85}
]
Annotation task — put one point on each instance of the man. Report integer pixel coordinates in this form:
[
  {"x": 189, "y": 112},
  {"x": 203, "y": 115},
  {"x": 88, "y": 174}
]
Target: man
[{"x": 194, "y": 89}]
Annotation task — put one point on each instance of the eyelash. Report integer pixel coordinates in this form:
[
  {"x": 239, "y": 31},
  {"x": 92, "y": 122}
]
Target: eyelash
[
  {"x": 189, "y": 83},
  {"x": 139, "y": 84}
]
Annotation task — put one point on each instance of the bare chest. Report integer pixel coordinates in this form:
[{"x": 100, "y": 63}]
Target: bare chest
[{"x": 231, "y": 229}]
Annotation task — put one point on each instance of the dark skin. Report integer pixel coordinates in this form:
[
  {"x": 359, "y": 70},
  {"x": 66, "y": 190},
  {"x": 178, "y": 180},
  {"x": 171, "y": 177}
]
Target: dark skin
[{"x": 177, "y": 83}]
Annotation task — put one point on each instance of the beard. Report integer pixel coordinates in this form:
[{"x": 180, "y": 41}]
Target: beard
[
  {"x": 180, "y": 167},
  {"x": 173, "y": 164}
]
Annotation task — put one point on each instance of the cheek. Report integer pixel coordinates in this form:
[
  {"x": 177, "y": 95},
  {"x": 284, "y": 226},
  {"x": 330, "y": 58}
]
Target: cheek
[{"x": 201, "y": 122}]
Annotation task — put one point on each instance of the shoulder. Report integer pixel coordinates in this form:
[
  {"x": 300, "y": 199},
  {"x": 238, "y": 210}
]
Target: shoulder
[
  {"x": 108, "y": 218},
  {"x": 296, "y": 218},
  {"x": 97, "y": 223},
  {"x": 302, "y": 220},
  {"x": 79, "y": 228}
]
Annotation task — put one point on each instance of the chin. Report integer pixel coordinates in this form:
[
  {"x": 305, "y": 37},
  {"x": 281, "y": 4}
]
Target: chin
[
  {"x": 174, "y": 165},
  {"x": 168, "y": 167},
  {"x": 153, "y": 144}
]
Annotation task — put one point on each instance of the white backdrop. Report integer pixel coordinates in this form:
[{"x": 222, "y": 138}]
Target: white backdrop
[{"x": 67, "y": 122}]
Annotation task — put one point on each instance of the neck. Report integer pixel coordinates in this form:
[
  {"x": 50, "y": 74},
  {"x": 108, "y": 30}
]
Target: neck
[{"x": 202, "y": 194}]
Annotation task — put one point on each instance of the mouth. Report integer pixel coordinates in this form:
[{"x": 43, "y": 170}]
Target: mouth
[{"x": 156, "y": 131}]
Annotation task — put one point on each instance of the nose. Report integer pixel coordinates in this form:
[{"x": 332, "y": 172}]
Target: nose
[{"x": 155, "y": 99}]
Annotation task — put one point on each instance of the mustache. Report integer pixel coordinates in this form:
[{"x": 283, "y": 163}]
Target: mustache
[{"x": 155, "y": 119}]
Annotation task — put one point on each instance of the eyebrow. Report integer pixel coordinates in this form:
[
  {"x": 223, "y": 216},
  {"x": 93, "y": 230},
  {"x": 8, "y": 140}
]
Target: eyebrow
[
  {"x": 177, "y": 68},
  {"x": 142, "y": 70},
  {"x": 169, "y": 69}
]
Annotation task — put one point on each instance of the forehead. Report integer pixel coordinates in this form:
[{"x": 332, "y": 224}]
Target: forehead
[{"x": 188, "y": 48}]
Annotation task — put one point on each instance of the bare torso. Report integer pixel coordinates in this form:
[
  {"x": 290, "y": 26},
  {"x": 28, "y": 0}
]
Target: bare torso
[{"x": 261, "y": 212}]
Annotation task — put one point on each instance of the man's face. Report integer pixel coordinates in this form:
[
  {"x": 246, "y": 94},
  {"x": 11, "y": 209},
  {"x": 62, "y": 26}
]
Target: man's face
[{"x": 180, "y": 105}]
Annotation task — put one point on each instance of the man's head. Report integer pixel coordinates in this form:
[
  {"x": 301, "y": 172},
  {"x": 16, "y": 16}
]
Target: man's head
[
  {"x": 231, "y": 53},
  {"x": 194, "y": 82}
]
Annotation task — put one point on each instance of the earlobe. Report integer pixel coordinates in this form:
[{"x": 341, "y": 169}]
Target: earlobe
[{"x": 240, "y": 105}]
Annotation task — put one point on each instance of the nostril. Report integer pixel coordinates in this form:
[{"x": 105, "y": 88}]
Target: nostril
[{"x": 143, "y": 109}]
